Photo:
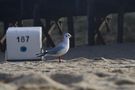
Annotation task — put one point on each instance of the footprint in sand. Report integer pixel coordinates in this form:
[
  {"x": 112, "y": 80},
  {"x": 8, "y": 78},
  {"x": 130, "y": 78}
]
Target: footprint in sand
[
  {"x": 67, "y": 78},
  {"x": 124, "y": 82},
  {"x": 102, "y": 74}
]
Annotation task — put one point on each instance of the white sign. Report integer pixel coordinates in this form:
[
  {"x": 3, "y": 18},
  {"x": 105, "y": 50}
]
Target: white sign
[{"x": 23, "y": 43}]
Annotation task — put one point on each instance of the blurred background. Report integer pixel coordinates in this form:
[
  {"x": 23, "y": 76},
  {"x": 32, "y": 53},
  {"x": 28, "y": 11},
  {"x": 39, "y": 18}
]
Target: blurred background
[{"x": 108, "y": 29}]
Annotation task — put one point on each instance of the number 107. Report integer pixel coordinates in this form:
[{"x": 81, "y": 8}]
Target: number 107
[{"x": 23, "y": 39}]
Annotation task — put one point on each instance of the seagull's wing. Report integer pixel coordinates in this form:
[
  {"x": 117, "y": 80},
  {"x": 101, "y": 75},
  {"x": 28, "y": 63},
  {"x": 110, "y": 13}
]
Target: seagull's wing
[
  {"x": 56, "y": 50},
  {"x": 41, "y": 54}
]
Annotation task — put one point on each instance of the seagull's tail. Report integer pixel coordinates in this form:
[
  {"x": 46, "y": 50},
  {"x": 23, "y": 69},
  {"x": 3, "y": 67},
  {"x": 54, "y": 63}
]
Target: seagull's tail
[{"x": 42, "y": 54}]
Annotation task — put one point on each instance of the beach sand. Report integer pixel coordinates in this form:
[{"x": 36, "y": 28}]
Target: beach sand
[{"x": 109, "y": 67}]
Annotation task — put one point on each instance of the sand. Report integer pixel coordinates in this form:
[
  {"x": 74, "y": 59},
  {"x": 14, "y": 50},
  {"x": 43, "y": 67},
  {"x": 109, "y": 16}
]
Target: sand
[{"x": 110, "y": 67}]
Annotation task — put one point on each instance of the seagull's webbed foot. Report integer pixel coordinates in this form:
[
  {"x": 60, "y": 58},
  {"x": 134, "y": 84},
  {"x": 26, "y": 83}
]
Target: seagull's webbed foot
[{"x": 60, "y": 59}]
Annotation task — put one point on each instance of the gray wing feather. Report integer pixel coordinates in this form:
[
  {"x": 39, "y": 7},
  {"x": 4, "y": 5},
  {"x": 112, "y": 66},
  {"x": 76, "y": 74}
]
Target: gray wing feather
[{"x": 55, "y": 50}]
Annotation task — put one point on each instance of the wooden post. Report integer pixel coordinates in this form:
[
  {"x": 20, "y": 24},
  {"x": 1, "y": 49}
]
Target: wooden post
[
  {"x": 36, "y": 15},
  {"x": 37, "y": 22},
  {"x": 120, "y": 27},
  {"x": 3, "y": 39},
  {"x": 20, "y": 22},
  {"x": 49, "y": 40},
  {"x": 71, "y": 31},
  {"x": 91, "y": 25},
  {"x": 6, "y": 24},
  {"x": 77, "y": 2}
]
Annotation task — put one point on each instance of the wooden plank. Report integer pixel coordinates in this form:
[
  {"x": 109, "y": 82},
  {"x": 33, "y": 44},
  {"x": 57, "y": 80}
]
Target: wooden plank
[
  {"x": 91, "y": 26},
  {"x": 120, "y": 27},
  {"x": 59, "y": 27},
  {"x": 99, "y": 40},
  {"x": 71, "y": 31}
]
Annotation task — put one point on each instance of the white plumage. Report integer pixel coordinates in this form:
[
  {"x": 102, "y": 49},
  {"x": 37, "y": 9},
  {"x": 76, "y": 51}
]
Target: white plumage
[{"x": 58, "y": 51}]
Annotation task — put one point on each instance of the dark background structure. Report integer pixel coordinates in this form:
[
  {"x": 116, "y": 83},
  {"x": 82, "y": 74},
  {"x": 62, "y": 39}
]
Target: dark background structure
[{"x": 96, "y": 10}]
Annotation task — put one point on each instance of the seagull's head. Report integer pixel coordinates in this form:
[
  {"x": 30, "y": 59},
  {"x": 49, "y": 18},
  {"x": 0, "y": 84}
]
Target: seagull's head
[{"x": 67, "y": 35}]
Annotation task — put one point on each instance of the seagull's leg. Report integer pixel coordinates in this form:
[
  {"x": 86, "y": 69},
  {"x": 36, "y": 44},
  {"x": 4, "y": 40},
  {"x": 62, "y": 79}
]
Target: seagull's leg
[
  {"x": 60, "y": 59},
  {"x": 45, "y": 59}
]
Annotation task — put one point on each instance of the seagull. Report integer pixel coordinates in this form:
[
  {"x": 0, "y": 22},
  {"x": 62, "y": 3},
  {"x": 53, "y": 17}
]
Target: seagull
[{"x": 58, "y": 51}]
